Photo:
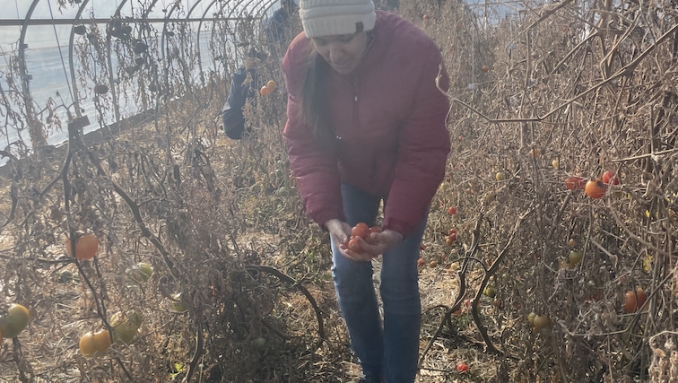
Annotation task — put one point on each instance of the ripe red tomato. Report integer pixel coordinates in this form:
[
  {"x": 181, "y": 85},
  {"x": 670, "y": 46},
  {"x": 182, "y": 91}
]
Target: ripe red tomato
[
  {"x": 452, "y": 210},
  {"x": 421, "y": 262},
  {"x": 355, "y": 246},
  {"x": 574, "y": 183},
  {"x": 595, "y": 188},
  {"x": 632, "y": 304},
  {"x": 359, "y": 231},
  {"x": 363, "y": 225},
  {"x": 609, "y": 176},
  {"x": 462, "y": 368},
  {"x": 425, "y": 17},
  {"x": 265, "y": 91},
  {"x": 486, "y": 68}
]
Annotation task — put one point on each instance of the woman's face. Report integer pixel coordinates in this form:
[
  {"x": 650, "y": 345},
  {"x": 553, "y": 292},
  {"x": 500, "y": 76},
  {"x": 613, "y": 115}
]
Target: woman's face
[{"x": 342, "y": 52}]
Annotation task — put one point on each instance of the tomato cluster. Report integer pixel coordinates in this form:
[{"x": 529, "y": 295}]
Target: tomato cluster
[
  {"x": 594, "y": 188},
  {"x": 363, "y": 231},
  {"x": 268, "y": 88}
]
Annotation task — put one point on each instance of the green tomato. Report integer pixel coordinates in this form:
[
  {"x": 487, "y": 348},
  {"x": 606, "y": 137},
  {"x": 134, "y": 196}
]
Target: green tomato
[
  {"x": 576, "y": 257},
  {"x": 179, "y": 306},
  {"x": 258, "y": 343},
  {"x": 15, "y": 321}
]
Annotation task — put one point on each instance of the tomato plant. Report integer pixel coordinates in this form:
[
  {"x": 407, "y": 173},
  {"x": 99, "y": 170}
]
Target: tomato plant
[{"x": 595, "y": 189}]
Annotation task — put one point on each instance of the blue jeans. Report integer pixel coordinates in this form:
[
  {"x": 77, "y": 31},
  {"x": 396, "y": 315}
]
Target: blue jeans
[{"x": 391, "y": 352}]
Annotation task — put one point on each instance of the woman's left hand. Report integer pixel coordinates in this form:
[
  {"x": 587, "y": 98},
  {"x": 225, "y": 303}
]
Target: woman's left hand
[{"x": 377, "y": 245}]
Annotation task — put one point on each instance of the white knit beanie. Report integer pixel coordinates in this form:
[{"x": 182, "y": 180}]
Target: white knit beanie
[{"x": 336, "y": 17}]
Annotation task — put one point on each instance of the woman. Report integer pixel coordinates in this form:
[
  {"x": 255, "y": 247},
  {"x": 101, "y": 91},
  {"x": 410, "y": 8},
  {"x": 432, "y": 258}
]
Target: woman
[{"x": 366, "y": 122}]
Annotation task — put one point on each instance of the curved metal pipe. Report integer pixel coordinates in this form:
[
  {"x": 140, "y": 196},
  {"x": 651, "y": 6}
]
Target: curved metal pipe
[
  {"x": 76, "y": 98},
  {"x": 114, "y": 94},
  {"x": 37, "y": 138}
]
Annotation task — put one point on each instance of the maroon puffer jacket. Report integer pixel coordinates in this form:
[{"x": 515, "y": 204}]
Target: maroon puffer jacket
[{"x": 391, "y": 118}]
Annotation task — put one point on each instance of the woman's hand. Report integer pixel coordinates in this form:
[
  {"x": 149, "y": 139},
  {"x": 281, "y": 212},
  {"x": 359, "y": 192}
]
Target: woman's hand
[{"x": 378, "y": 244}]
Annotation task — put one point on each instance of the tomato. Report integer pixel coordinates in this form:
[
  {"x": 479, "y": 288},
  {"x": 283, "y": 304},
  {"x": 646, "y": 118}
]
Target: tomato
[
  {"x": 541, "y": 321},
  {"x": 359, "y": 231},
  {"x": 355, "y": 246},
  {"x": 140, "y": 273},
  {"x": 86, "y": 247},
  {"x": 530, "y": 317},
  {"x": 555, "y": 163},
  {"x": 265, "y": 91},
  {"x": 576, "y": 257},
  {"x": 499, "y": 176},
  {"x": 609, "y": 176},
  {"x": 425, "y": 17},
  {"x": 421, "y": 262},
  {"x": 125, "y": 329},
  {"x": 490, "y": 291},
  {"x": 271, "y": 85},
  {"x": 258, "y": 343},
  {"x": 422, "y": 247},
  {"x": 449, "y": 240},
  {"x": 486, "y": 68},
  {"x": 93, "y": 343},
  {"x": 177, "y": 304},
  {"x": 565, "y": 265},
  {"x": 570, "y": 242},
  {"x": 452, "y": 210},
  {"x": 462, "y": 368},
  {"x": 15, "y": 321},
  {"x": 362, "y": 224},
  {"x": 433, "y": 264},
  {"x": 574, "y": 183},
  {"x": 595, "y": 188},
  {"x": 497, "y": 303},
  {"x": 632, "y": 304}
]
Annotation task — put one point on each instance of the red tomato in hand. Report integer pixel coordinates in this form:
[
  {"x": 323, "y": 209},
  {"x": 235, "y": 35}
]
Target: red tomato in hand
[
  {"x": 359, "y": 231},
  {"x": 355, "y": 246}
]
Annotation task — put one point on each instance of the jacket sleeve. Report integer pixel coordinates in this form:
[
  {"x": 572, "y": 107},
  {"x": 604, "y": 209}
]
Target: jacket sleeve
[
  {"x": 314, "y": 168},
  {"x": 424, "y": 144}
]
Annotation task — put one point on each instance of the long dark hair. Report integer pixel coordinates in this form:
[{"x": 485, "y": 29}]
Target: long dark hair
[{"x": 315, "y": 101}]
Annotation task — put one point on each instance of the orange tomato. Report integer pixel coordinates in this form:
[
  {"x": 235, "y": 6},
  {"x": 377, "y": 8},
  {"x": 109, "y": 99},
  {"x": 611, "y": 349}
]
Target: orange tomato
[
  {"x": 462, "y": 368},
  {"x": 421, "y": 262},
  {"x": 425, "y": 17},
  {"x": 632, "y": 304},
  {"x": 595, "y": 188},
  {"x": 355, "y": 246},
  {"x": 265, "y": 91},
  {"x": 359, "y": 231},
  {"x": 86, "y": 247},
  {"x": 91, "y": 343},
  {"x": 271, "y": 85},
  {"x": 362, "y": 224}
]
